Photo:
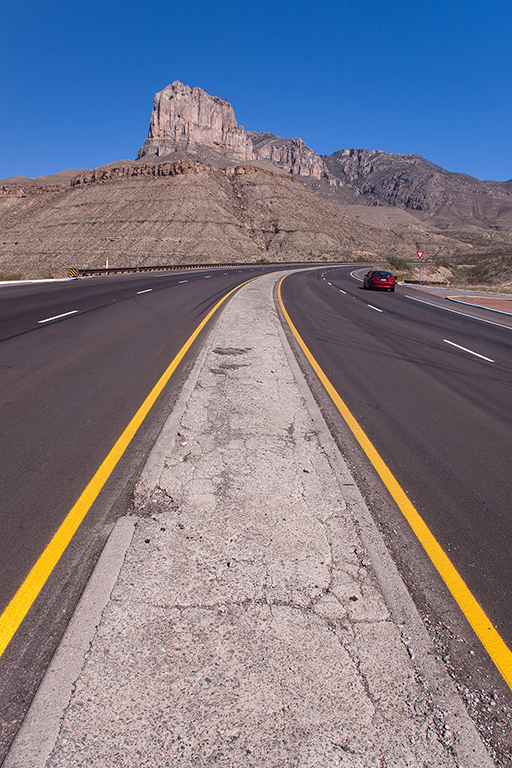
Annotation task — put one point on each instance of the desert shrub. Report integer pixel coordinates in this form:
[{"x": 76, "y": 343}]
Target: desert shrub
[
  {"x": 484, "y": 269},
  {"x": 398, "y": 263}
]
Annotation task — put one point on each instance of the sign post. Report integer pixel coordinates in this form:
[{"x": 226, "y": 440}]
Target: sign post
[{"x": 420, "y": 255}]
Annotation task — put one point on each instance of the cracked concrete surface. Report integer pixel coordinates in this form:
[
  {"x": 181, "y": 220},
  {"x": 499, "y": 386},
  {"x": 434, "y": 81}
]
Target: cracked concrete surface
[{"x": 247, "y": 626}]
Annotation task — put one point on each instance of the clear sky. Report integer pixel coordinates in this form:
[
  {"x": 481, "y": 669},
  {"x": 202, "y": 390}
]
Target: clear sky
[{"x": 432, "y": 77}]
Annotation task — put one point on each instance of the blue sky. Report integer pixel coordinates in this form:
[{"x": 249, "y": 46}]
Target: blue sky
[{"x": 77, "y": 77}]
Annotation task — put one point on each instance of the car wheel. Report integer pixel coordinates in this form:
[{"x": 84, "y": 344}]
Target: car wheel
[{"x": 392, "y": 289}]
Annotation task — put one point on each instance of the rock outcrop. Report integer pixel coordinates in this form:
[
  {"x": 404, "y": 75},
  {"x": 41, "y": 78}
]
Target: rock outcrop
[
  {"x": 187, "y": 119},
  {"x": 117, "y": 171},
  {"x": 292, "y": 155},
  {"x": 184, "y": 117}
]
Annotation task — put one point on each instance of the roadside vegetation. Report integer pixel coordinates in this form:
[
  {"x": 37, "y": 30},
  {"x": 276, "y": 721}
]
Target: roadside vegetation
[
  {"x": 476, "y": 271},
  {"x": 401, "y": 268},
  {"x": 482, "y": 271}
]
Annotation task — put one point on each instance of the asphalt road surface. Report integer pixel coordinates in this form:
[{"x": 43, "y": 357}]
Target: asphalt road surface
[
  {"x": 77, "y": 359},
  {"x": 432, "y": 390}
]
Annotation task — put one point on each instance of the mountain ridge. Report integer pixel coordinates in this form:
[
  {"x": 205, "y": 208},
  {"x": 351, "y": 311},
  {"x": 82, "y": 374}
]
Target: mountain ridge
[
  {"x": 188, "y": 212},
  {"x": 184, "y": 118},
  {"x": 202, "y": 189}
]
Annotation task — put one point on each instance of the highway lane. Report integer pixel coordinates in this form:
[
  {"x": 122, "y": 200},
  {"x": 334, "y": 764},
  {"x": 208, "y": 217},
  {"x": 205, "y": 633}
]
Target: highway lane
[
  {"x": 438, "y": 414},
  {"x": 25, "y": 306},
  {"x": 68, "y": 388}
]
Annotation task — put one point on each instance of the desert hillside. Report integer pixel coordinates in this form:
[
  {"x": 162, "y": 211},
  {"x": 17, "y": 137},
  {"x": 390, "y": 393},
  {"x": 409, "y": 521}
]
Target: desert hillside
[{"x": 187, "y": 212}]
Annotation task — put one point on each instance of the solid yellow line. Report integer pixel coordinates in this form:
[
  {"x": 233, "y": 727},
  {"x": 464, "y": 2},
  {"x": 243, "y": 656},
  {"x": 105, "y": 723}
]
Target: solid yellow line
[
  {"x": 493, "y": 643},
  {"x": 17, "y": 609}
]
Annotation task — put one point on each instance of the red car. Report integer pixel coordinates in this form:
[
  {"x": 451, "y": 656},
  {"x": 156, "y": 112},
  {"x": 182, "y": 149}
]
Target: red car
[{"x": 379, "y": 278}]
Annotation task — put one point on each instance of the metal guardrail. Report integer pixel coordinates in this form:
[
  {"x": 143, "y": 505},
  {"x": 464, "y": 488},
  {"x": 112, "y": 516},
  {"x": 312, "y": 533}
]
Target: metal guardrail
[{"x": 76, "y": 272}]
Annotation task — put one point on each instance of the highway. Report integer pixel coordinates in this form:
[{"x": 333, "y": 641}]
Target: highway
[
  {"x": 431, "y": 388},
  {"x": 77, "y": 360}
]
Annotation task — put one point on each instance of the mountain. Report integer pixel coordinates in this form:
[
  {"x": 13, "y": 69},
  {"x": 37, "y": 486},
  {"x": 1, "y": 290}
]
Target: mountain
[
  {"x": 188, "y": 119},
  {"x": 203, "y": 189},
  {"x": 433, "y": 195}
]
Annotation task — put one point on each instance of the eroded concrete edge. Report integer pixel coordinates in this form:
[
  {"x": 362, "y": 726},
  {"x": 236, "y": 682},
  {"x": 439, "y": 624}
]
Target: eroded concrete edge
[{"x": 40, "y": 729}]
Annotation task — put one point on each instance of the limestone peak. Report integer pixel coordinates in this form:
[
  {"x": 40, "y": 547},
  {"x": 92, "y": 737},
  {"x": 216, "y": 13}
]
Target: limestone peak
[
  {"x": 184, "y": 117},
  {"x": 187, "y": 119}
]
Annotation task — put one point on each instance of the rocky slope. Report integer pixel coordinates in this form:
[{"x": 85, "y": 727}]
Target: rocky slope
[
  {"x": 189, "y": 212},
  {"x": 447, "y": 200}
]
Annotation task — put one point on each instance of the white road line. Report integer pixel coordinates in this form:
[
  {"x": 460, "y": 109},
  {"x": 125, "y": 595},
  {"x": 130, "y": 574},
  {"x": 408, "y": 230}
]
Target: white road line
[
  {"x": 329, "y": 283},
  {"x": 182, "y": 281},
  {"x": 342, "y": 291},
  {"x": 356, "y": 278},
  {"x": 225, "y": 273},
  {"x": 207, "y": 276},
  {"x": 57, "y": 317},
  {"x": 146, "y": 291},
  {"x": 465, "y": 349},
  {"x": 375, "y": 308},
  {"x": 456, "y": 312}
]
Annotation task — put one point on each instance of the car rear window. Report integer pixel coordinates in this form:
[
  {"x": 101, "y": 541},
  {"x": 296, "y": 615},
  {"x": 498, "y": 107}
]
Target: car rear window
[{"x": 382, "y": 274}]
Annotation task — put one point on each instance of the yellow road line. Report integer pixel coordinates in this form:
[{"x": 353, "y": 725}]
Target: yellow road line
[
  {"x": 493, "y": 643},
  {"x": 17, "y": 609}
]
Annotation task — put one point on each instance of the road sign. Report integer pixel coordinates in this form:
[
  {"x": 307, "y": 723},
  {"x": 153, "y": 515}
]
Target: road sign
[{"x": 419, "y": 254}]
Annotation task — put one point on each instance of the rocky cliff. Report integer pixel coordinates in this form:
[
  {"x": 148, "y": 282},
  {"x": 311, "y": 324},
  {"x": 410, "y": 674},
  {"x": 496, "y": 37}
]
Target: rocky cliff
[
  {"x": 292, "y": 155},
  {"x": 184, "y": 117},
  {"x": 189, "y": 119}
]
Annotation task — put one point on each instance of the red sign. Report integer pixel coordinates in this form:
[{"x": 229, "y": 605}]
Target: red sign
[{"x": 419, "y": 254}]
